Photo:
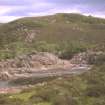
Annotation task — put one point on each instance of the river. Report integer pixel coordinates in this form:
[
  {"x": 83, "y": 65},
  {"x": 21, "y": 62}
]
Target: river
[{"x": 50, "y": 73}]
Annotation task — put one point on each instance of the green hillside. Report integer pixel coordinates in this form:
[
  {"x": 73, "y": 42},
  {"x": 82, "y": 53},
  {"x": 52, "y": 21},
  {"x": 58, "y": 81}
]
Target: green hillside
[{"x": 72, "y": 32}]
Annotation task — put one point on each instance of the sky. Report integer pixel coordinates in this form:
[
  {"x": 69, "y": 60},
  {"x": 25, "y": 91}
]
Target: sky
[{"x": 14, "y": 9}]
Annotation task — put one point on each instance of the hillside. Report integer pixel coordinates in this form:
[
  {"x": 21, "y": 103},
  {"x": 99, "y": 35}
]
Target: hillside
[
  {"x": 54, "y": 33},
  {"x": 60, "y": 36},
  {"x": 33, "y": 43}
]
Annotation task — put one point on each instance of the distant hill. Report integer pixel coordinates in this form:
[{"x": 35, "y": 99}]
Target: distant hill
[{"x": 26, "y": 34}]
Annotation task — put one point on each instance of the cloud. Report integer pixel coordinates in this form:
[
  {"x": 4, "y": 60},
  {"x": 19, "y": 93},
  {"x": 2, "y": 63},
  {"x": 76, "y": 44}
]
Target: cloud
[
  {"x": 13, "y": 9},
  {"x": 55, "y": 10},
  {"x": 16, "y": 2},
  {"x": 4, "y": 9},
  {"x": 5, "y": 19}
]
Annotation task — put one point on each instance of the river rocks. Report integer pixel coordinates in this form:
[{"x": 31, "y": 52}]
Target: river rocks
[
  {"x": 26, "y": 64},
  {"x": 5, "y": 75},
  {"x": 45, "y": 58},
  {"x": 89, "y": 57},
  {"x": 80, "y": 58}
]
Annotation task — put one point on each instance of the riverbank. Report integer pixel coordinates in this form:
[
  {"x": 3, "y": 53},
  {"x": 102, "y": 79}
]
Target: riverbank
[
  {"x": 23, "y": 71},
  {"x": 17, "y": 85}
]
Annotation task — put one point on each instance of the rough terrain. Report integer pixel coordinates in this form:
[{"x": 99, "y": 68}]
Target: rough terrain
[
  {"x": 38, "y": 65},
  {"x": 22, "y": 66},
  {"x": 26, "y": 65}
]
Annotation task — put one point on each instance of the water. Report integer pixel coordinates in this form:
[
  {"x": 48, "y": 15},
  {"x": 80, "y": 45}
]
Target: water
[
  {"x": 50, "y": 73},
  {"x": 4, "y": 84}
]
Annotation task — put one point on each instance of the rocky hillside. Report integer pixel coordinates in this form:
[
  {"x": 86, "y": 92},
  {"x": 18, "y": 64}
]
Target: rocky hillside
[
  {"x": 51, "y": 28},
  {"x": 59, "y": 33}
]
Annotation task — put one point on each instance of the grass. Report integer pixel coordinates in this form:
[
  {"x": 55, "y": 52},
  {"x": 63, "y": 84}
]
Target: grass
[
  {"x": 23, "y": 96},
  {"x": 44, "y": 103}
]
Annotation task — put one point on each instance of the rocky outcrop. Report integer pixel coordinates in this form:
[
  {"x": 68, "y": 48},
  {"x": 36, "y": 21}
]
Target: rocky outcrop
[
  {"x": 5, "y": 75},
  {"x": 27, "y": 64},
  {"x": 89, "y": 57},
  {"x": 81, "y": 58}
]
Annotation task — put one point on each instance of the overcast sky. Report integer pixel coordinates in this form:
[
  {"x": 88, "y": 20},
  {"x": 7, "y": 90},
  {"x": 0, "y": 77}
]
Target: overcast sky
[{"x": 13, "y": 9}]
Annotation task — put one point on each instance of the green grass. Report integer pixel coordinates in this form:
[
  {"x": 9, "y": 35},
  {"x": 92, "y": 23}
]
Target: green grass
[
  {"x": 23, "y": 96},
  {"x": 44, "y": 103}
]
